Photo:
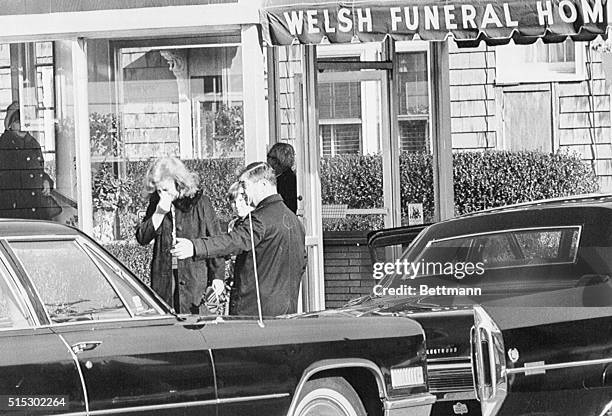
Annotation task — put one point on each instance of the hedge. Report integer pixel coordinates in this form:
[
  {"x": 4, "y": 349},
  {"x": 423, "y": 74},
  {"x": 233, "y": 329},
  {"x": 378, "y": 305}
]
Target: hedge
[{"x": 481, "y": 180}]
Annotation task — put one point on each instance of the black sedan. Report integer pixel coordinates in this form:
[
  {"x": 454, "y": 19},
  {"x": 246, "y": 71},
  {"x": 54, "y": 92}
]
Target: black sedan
[
  {"x": 80, "y": 335},
  {"x": 555, "y": 253}
]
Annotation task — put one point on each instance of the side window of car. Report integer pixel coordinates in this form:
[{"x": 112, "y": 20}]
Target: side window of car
[
  {"x": 12, "y": 313},
  {"x": 495, "y": 251},
  {"x": 137, "y": 302},
  {"x": 69, "y": 283}
]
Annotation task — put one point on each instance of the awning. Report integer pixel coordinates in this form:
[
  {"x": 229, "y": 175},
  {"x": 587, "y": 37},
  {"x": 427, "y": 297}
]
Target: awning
[{"x": 286, "y": 22}]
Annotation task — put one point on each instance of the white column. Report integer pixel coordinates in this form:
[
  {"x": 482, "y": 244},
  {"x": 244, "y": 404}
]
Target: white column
[
  {"x": 81, "y": 131},
  {"x": 444, "y": 196},
  {"x": 254, "y": 96}
]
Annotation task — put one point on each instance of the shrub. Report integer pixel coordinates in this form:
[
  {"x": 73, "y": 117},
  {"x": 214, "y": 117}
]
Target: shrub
[{"x": 481, "y": 180}]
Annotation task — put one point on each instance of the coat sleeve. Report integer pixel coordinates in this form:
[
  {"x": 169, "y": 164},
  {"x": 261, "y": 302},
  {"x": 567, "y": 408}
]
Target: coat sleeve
[
  {"x": 146, "y": 232},
  {"x": 235, "y": 242},
  {"x": 216, "y": 265}
]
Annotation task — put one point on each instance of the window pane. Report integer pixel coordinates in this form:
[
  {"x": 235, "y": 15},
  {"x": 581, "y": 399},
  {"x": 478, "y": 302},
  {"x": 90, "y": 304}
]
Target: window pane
[
  {"x": 38, "y": 178},
  {"x": 347, "y": 139},
  {"x": 72, "y": 288},
  {"x": 11, "y": 315},
  {"x": 414, "y": 135},
  {"x": 135, "y": 300},
  {"x": 162, "y": 97},
  {"x": 413, "y": 83}
]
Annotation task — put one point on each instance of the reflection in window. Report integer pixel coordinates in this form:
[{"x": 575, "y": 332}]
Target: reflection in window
[
  {"x": 135, "y": 300},
  {"x": 413, "y": 100},
  {"x": 11, "y": 315},
  {"x": 37, "y": 169},
  {"x": 70, "y": 290},
  {"x": 158, "y": 97}
]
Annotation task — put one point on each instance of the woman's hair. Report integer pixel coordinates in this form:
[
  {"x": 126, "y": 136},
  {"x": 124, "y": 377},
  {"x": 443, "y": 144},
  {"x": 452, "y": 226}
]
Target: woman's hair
[
  {"x": 283, "y": 157},
  {"x": 234, "y": 190},
  {"x": 171, "y": 168}
]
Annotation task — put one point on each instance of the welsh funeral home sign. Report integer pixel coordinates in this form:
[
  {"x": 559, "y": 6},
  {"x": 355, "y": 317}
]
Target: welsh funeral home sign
[{"x": 286, "y": 22}]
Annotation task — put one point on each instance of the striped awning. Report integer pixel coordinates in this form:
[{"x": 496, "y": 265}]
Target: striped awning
[{"x": 286, "y": 22}]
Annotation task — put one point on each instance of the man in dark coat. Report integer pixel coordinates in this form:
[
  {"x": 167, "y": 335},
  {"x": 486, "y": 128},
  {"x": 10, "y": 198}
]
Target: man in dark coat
[{"x": 279, "y": 241}]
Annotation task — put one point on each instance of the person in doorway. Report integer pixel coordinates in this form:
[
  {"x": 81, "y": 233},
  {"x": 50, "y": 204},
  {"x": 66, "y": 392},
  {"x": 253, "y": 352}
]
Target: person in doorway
[
  {"x": 278, "y": 238},
  {"x": 179, "y": 209},
  {"x": 25, "y": 188},
  {"x": 282, "y": 157}
]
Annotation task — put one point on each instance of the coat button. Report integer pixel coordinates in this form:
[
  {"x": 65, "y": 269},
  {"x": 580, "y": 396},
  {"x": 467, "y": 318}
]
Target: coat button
[
  {"x": 28, "y": 158},
  {"x": 33, "y": 193},
  {"x": 31, "y": 175}
]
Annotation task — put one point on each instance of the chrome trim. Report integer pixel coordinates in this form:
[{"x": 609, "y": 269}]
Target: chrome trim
[
  {"x": 413, "y": 401},
  {"x": 606, "y": 409},
  {"x": 79, "y": 370},
  {"x": 105, "y": 321},
  {"x": 187, "y": 404},
  {"x": 435, "y": 367},
  {"x": 464, "y": 395},
  {"x": 486, "y": 331},
  {"x": 558, "y": 366},
  {"x": 324, "y": 365}
]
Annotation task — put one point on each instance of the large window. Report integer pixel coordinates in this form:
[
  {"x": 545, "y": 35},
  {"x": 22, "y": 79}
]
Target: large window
[
  {"x": 38, "y": 178},
  {"x": 162, "y": 97},
  {"x": 540, "y": 62}
]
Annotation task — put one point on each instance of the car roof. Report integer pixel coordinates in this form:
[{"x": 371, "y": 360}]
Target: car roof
[
  {"x": 593, "y": 210},
  {"x": 21, "y": 227},
  {"x": 590, "y": 200}
]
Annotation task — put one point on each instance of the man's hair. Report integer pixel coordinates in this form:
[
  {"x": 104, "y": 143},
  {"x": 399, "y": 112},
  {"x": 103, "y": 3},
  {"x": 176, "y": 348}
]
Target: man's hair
[
  {"x": 234, "y": 191},
  {"x": 257, "y": 171},
  {"x": 283, "y": 156}
]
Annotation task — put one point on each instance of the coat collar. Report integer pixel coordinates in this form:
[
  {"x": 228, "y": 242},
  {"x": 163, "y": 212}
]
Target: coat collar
[
  {"x": 269, "y": 200},
  {"x": 185, "y": 204}
]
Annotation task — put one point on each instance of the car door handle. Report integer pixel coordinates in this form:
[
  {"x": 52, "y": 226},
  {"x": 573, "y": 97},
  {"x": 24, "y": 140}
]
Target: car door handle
[{"x": 84, "y": 346}]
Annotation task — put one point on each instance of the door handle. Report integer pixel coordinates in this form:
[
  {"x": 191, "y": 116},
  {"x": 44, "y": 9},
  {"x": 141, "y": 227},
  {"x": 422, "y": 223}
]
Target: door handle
[{"x": 79, "y": 347}]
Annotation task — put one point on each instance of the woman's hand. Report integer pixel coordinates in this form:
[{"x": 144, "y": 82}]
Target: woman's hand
[{"x": 165, "y": 202}]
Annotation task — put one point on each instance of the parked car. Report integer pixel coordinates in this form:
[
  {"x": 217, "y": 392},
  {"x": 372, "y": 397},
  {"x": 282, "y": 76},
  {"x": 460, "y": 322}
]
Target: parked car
[
  {"x": 543, "y": 361},
  {"x": 80, "y": 335},
  {"x": 527, "y": 255}
]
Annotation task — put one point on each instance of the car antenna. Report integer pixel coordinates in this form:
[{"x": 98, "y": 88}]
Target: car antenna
[{"x": 260, "y": 321}]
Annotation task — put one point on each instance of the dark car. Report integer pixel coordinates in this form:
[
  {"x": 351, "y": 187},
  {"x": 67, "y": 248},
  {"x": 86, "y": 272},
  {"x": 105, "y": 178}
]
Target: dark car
[
  {"x": 80, "y": 335},
  {"x": 526, "y": 255},
  {"x": 543, "y": 361}
]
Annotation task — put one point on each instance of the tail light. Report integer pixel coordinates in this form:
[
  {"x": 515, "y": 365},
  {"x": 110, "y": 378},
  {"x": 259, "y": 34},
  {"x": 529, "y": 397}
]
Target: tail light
[{"x": 488, "y": 362}]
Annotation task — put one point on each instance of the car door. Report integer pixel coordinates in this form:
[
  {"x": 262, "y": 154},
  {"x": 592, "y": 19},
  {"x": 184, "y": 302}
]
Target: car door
[
  {"x": 552, "y": 361},
  {"x": 134, "y": 356},
  {"x": 34, "y": 362}
]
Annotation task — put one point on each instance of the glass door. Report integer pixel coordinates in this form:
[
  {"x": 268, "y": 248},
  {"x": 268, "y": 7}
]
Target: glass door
[{"x": 355, "y": 150}]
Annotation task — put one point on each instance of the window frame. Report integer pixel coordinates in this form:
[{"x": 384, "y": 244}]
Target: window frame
[
  {"x": 23, "y": 302},
  {"x": 80, "y": 242},
  {"x": 537, "y": 72},
  {"x": 418, "y": 46}
]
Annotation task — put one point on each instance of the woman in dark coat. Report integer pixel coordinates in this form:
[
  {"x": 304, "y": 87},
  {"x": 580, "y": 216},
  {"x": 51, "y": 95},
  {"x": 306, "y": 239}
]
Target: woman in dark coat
[
  {"x": 178, "y": 208},
  {"x": 282, "y": 157}
]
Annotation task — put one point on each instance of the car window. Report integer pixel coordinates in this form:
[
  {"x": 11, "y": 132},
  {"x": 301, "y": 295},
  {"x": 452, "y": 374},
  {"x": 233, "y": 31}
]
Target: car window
[
  {"x": 12, "y": 314},
  {"x": 69, "y": 283},
  {"x": 511, "y": 248},
  {"x": 136, "y": 301}
]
